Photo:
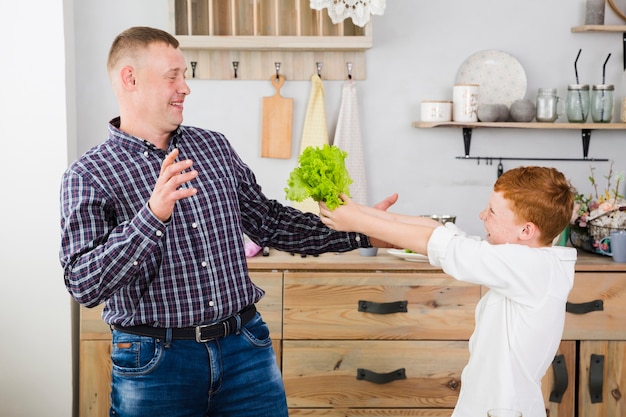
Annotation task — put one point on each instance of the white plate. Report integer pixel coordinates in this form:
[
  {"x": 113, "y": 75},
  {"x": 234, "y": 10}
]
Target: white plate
[
  {"x": 501, "y": 78},
  {"x": 409, "y": 256}
]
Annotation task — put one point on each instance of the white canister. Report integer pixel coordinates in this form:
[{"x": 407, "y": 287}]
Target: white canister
[
  {"x": 465, "y": 103},
  {"x": 436, "y": 111}
]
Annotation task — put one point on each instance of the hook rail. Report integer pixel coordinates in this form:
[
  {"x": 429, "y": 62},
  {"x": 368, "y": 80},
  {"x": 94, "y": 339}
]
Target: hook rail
[{"x": 489, "y": 159}]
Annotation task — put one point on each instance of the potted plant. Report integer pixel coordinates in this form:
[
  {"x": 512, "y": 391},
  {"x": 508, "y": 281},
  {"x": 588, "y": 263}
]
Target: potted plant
[{"x": 598, "y": 214}]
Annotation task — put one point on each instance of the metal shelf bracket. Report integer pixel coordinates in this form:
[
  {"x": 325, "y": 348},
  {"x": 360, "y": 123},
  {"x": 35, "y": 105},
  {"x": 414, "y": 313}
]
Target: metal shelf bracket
[
  {"x": 586, "y": 139},
  {"x": 467, "y": 140},
  {"x": 586, "y": 136}
]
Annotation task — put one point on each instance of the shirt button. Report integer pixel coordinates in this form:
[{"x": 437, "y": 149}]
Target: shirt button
[
  {"x": 159, "y": 233},
  {"x": 145, "y": 153},
  {"x": 194, "y": 225},
  {"x": 203, "y": 264},
  {"x": 135, "y": 263},
  {"x": 358, "y": 238},
  {"x": 211, "y": 303}
]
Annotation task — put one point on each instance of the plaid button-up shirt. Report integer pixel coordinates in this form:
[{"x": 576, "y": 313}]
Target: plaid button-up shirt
[{"x": 192, "y": 269}]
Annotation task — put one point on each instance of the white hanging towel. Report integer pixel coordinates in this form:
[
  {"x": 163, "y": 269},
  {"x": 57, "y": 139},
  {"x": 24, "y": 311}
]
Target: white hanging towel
[
  {"x": 314, "y": 133},
  {"x": 348, "y": 138}
]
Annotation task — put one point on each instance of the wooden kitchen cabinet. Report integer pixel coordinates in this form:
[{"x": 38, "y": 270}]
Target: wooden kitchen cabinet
[
  {"x": 380, "y": 336},
  {"x": 384, "y": 340},
  {"x": 95, "y": 345},
  {"x": 600, "y": 335}
]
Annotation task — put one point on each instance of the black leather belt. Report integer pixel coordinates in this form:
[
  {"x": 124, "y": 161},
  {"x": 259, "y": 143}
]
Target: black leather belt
[{"x": 200, "y": 334}]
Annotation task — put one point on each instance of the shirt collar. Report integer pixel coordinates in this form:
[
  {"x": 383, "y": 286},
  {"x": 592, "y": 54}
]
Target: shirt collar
[{"x": 134, "y": 143}]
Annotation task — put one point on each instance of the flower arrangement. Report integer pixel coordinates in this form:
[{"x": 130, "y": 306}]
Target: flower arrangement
[{"x": 598, "y": 214}]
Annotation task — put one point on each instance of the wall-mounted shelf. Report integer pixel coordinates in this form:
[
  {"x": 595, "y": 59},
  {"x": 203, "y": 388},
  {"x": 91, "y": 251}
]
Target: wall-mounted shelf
[
  {"x": 468, "y": 127},
  {"x": 232, "y": 39},
  {"x": 599, "y": 28}
]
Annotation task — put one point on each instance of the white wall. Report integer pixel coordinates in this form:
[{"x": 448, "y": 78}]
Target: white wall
[
  {"x": 418, "y": 48},
  {"x": 35, "y": 354}
]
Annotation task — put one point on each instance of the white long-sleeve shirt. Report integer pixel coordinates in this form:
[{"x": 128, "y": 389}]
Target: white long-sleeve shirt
[{"x": 519, "y": 321}]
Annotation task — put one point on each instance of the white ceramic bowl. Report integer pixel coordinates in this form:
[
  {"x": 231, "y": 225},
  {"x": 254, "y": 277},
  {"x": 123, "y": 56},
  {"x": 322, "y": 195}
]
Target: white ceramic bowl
[
  {"x": 441, "y": 218},
  {"x": 436, "y": 111}
]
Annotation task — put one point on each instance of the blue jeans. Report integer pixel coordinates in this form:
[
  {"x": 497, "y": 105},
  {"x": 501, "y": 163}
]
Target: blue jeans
[{"x": 235, "y": 376}]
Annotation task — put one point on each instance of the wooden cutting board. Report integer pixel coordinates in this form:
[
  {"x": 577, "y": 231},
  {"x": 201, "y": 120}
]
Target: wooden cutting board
[{"x": 276, "y": 123}]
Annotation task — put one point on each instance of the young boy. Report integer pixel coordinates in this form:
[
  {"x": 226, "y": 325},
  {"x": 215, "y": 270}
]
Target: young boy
[{"x": 519, "y": 321}]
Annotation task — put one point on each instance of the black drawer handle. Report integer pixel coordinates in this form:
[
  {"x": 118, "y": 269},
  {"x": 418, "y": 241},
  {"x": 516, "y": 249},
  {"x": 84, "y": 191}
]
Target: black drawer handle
[
  {"x": 596, "y": 375},
  {"x": 560, "y": 379},
  {"x": 383, "y": 308},
  {"x": 584, "y": 308},
  {"x": 371, "y": 376}
]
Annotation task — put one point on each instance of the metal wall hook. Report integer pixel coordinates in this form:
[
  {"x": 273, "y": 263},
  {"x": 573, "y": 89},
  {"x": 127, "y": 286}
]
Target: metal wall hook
[
  {"x": 349, "y": 67},
  {"x": 193, "y": 69},
  {"x": 277, "y": 66},
  {"x": 319, "y": 66},
  {"x": 235, "y": 66}
]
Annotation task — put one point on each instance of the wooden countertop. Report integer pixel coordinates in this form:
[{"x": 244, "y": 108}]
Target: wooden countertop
[{"x": 353, "y": 261}]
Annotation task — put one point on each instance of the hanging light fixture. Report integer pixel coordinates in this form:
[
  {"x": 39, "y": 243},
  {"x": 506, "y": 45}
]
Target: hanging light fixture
[{"x": 359, "y": 10}]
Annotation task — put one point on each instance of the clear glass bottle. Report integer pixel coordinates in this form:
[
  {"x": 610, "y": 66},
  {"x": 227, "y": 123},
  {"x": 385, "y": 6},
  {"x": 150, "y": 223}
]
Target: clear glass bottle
[
  {"x": 602, "y": 103},
  {"x": 546, "y": 105},
  {"x": 577, "y": 103}
]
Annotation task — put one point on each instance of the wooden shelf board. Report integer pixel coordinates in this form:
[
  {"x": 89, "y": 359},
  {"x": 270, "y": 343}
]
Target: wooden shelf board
[
  {"x": 307, "y": 43},
  {"x": 599, "y": 28},
  {"x": 520, "y": 125}
]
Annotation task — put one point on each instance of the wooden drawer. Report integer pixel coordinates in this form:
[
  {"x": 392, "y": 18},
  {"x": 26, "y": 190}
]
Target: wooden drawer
[
  {"x": 92, "y": 327},
  {"x": 326, "y": 306},
  {"x": 323, "y": 374},
  {"x": 607, "y": 324}
]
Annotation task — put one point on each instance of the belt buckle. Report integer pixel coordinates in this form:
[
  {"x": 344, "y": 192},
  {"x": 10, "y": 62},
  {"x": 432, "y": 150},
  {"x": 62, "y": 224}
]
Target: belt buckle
[
  {"x": 225, "y": 324},
  {"x": 199, "y": 338}
]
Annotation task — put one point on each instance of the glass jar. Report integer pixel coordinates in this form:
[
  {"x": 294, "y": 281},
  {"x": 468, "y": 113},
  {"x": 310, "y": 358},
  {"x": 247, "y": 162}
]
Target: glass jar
[
  {"x": 577, "y": 103},
  {"x": 602, "y": 103},
  {"x": 547, "y": 105}
]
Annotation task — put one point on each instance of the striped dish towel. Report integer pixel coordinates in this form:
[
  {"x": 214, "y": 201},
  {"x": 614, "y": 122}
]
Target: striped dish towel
[
  {"x": 314, "y": 133},
  {"x": 348, "y": 138}
]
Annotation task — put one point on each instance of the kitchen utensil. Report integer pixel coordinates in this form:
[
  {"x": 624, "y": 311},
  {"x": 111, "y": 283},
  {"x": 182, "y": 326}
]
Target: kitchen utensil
[
  {"x": 501, "y": 77},
  {"x": 602, "y": 103},
  {"x": 436, "y": 111},
  {"x": 618, "y": 246},
  {"x": 616, "y": 9},
  {"x": 441, "y": 218},
  {"x": 276, "y": 123},
  {"x": 546, "y": 105},
  {"x": 594, "y": 12},
  {"x": 408, "y": 256},
  {"x": 465, "y": 102},
  {"x": 577, "y": 103}
]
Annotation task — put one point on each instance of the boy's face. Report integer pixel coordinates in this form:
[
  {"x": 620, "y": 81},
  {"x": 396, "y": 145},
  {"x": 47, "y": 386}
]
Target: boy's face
[{"x": 501, "y": 224}]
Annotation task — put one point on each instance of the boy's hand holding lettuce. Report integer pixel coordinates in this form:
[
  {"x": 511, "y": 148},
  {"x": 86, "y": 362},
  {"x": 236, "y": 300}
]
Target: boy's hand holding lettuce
[{"x": 321, "y": 175}]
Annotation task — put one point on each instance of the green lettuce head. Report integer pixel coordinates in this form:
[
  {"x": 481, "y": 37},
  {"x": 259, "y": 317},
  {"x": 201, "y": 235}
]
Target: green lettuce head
[{"x": 321, "y": 175}]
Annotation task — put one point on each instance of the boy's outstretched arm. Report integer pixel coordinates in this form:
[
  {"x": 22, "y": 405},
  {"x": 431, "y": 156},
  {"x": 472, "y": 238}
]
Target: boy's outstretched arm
[{"x": 409, "y": 232}]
